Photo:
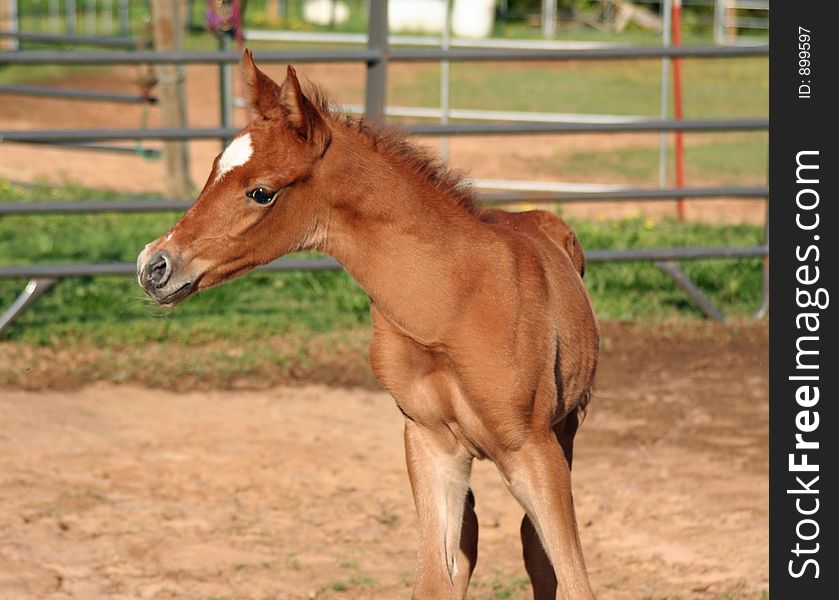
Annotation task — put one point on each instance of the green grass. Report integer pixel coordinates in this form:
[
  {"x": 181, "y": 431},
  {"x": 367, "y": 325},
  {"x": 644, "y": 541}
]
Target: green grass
[
  {"x": 628, "y": 291},
  {"x": 114, "y": 311},
  {"x": 712, "y": 88},
  {"x": 725, "y": 159},
  {"x": 500, "y": 587},
  {"x": 356, "y": 580}
]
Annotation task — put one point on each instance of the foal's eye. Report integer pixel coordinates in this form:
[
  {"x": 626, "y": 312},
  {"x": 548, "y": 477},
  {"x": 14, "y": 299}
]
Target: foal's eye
[{"x": 261, "y": 195}]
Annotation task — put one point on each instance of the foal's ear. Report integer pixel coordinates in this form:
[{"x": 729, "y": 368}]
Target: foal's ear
[
  {"x": 303, "y": 116},
  {"x": 264, "y": 96},
  {"x": 271, "y": 101}
]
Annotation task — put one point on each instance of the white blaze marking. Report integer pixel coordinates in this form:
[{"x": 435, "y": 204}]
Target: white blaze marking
[{"x": 235, "y": 155}]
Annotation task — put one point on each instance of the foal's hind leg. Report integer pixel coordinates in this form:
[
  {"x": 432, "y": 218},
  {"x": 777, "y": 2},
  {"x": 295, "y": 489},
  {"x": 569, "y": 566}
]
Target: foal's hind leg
[
  {"x": 536, "y": 560},
  {"x": 439, "y": 469},
  {"x": 539, "y": 476},
  {"x": 468, "y": 555}
]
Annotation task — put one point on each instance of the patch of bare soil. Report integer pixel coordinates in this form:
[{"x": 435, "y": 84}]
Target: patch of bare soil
[
  {"x": 120, "y": 491},
  {"x": 499, "y": 157}
]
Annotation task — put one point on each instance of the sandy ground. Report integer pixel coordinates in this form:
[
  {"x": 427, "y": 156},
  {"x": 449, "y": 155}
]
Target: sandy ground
[
  {"x": 127, "y": 492},
  {"x": 499, "y": 157}
]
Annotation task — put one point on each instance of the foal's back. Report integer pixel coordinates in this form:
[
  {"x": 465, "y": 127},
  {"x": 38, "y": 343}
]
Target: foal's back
[
  {"x": 543, "y": 226},
  {"x": 562, "y": 257}
]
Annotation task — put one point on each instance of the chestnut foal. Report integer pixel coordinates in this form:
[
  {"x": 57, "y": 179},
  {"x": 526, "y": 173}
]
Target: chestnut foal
[{"x": 482, "y": 329}]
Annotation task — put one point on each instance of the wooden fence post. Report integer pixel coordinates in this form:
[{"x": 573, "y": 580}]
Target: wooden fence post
[
  {"x": 8, "y": 22},
  {"x": 167, "y": 33},
  {"x": 273, "y": 10}
]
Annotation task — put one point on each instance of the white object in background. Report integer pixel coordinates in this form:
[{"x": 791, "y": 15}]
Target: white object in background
[
  {"x": 426, "y": 16},
  {"x": 325, "y": 12},
  {"x": 473, "y": 18}
]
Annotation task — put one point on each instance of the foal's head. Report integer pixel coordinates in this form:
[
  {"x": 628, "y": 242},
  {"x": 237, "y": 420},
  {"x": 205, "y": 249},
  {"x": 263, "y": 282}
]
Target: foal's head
[{"x": 261, "y": 200}]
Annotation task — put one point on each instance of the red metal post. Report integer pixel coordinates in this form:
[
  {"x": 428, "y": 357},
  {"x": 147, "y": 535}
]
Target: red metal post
[{"x": 677, "y": 105}]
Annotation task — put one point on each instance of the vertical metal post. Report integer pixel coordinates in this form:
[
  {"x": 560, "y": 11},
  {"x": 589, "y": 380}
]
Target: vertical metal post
[
  {"x": 70, "y": 9},
  {"x": 445, "y": 44},
  {"x": 678, "y": 145},
  {"x": 376, "y": 88},
  {"x": 225, "y": 87},
  {"x": 549, "y": 18},
  {"x": 763, "y": 309},
  {"x": 720, "y": 11},
  {"x": 666, "y": 8},
  {"x": 124, "y": 18}
]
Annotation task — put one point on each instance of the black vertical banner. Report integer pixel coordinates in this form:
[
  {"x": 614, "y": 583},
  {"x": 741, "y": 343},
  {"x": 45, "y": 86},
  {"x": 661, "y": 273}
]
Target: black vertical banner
[{"x": 804, "y": 364}]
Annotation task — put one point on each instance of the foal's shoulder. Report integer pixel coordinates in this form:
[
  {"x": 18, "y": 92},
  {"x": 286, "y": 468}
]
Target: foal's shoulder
[{"x": 540, "y": 224}]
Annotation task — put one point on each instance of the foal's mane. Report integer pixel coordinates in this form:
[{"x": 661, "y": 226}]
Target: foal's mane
[{"x": 393, "y": 143}]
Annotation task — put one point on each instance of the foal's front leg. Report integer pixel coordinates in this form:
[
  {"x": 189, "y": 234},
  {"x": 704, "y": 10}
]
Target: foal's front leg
[{"x": 439, "y": 469}]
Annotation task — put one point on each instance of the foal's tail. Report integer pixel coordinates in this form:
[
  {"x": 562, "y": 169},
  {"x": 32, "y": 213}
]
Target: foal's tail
[
  {"x": 575, "y": 251},
  {"x": 582, "y": 404}
]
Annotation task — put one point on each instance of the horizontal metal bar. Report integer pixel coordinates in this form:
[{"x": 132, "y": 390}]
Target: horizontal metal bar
[
  {"x": 657, "y": 194},
  {"x": 319, "y": 37},
  {"x": 750, "y": 4},
  {"x": 30, "y": 57},
  {"x": 130, "y": 268},
  {"x": 53, "y": 92},
  {"x": 496, "y": 115},
  {"x": 49, "y": 38},
  {"x": 751, "y": 23},
  {"x": 659, "y": 254},
  {"x": 536, "y": 187},
  {"x": 153, "y": 206},
  {"x": 654, "y": 125},
  {"x": 144, "y": 152},
  {"x": 549, "y": 127},
  {"x": 80, "y": 135},
  {"x": 611, "y": 53},
  {"x": 93, "y": 206},
  {"x": 395, "y": 54},
  {"x": 299, "y": 264}
]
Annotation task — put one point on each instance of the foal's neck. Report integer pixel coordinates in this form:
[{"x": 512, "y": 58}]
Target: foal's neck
[{"x": 407, "y": 241}]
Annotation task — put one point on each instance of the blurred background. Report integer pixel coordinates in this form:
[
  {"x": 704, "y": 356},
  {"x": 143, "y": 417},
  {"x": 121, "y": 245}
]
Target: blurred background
[
  {"x": 42, "y": 95},
  {"x": 568, "y": 105}
]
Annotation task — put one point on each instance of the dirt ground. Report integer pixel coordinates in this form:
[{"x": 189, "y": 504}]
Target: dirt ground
[
  {"x": 500, "y": 157},
  {"x": 301, "y": 492}
]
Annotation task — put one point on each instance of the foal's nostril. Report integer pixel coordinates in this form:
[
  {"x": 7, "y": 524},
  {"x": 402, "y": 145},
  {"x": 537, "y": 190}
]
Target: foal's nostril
[{"x": 158, "y": 270}]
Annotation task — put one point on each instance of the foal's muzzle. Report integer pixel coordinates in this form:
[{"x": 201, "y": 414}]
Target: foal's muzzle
[{"x": 157, "y": 276}]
